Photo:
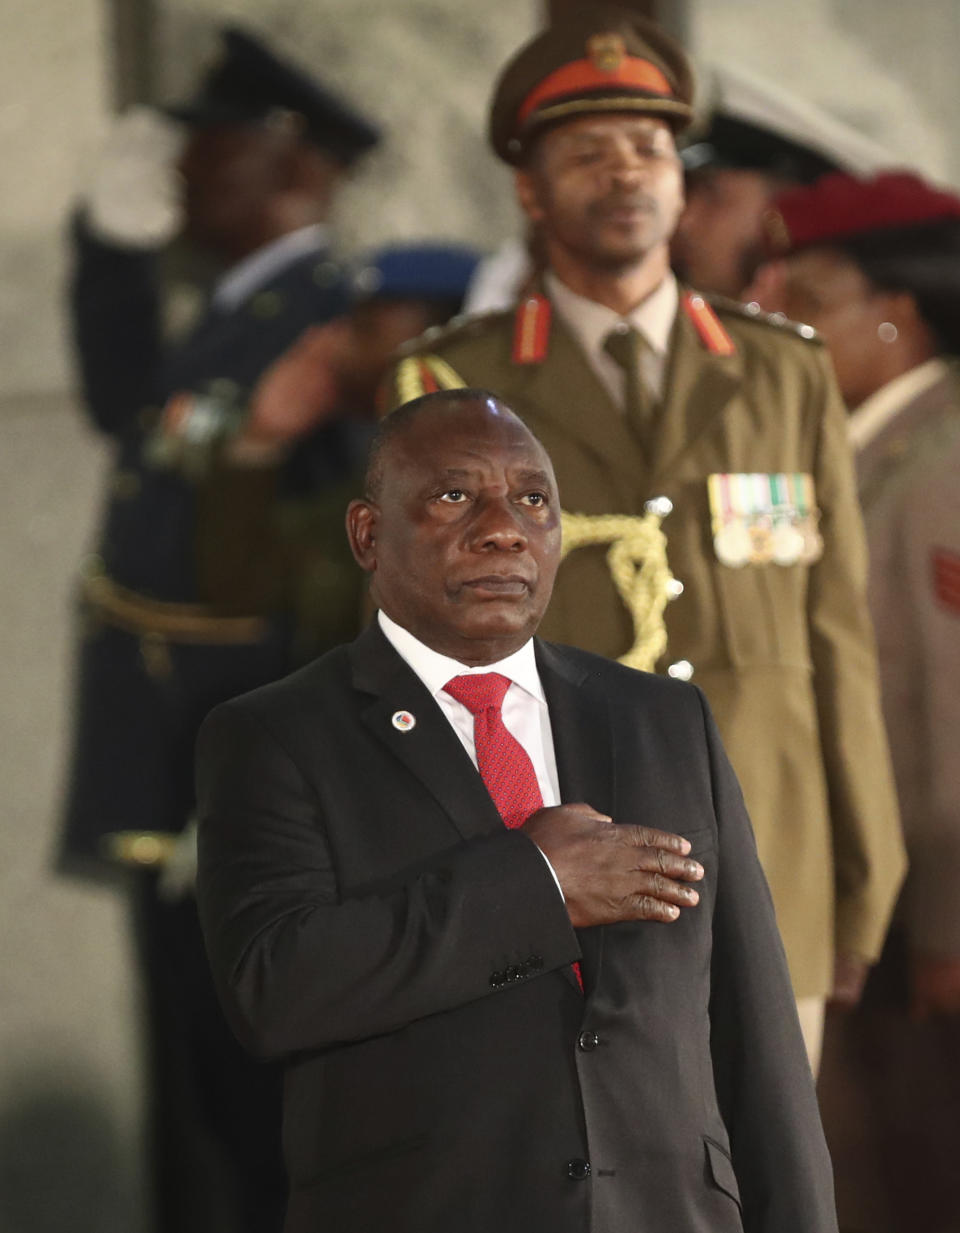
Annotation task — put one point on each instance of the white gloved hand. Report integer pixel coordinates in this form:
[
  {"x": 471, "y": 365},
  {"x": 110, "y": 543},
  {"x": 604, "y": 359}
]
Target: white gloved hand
[{"x": 135, "y": 196}]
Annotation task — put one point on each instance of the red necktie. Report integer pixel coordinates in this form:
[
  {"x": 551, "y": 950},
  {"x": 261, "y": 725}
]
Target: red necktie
[{"x": 504, "y": 764}]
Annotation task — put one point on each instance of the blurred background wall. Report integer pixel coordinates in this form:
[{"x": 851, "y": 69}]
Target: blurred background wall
[{"x": 70, "y": 1097}]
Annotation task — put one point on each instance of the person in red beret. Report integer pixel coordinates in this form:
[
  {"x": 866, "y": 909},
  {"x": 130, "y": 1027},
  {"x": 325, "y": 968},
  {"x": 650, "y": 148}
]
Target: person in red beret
[{"x": 874, "y": 265}]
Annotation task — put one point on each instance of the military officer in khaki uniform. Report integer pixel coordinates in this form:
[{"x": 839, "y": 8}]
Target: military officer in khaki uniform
[{"x": 650, "y": 399}]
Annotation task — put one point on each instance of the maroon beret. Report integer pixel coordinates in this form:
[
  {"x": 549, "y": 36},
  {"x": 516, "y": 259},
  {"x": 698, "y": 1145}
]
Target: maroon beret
[{"x": 841, "y": 207}]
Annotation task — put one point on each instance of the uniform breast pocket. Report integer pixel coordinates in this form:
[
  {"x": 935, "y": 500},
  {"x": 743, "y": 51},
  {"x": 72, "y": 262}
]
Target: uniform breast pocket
[{"x": 763, "y": 614}]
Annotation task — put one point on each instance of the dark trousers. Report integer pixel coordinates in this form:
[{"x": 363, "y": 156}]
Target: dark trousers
[
  {"x": 214, "y": 1113},
  {"x": 889, "y": 1093}
]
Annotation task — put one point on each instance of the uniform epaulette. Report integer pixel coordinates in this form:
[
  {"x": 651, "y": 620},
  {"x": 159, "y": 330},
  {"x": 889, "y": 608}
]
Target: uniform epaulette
[
  {"x": 753, "y": 312},
  {"x": 462, "y": 326}
]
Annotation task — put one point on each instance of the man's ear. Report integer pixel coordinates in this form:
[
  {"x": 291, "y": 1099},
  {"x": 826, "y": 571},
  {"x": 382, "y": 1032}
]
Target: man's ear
[
  {"x": 362, "y": 519},
  {"x": 527, "y": 195}
]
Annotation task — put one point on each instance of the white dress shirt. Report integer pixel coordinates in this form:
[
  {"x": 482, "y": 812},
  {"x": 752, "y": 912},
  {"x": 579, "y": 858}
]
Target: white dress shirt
[
  {"x": 876, "y": 412},
  {"x": 524, "y": 711},
  {"x": 591, "y": 323},
  {"x": 245, "y": 278}
]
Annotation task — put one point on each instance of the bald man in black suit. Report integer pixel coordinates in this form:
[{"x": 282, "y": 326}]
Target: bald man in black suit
[{"x": 582, "y": 1023}]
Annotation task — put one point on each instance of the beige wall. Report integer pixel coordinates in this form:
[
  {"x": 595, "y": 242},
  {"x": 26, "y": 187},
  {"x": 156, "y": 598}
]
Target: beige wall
[
  {"x": 885, "y": 67},
  {"x": 70, "y": 1102},
  {"x": 70, "y": 1105}
]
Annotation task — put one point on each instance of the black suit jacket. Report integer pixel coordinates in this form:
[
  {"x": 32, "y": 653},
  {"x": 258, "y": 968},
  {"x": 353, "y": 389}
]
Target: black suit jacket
[{"x": 370, "y": 920}]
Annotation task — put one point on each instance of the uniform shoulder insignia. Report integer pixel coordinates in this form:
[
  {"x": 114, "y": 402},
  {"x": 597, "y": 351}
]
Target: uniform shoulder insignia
[{"x": 753, "y": 312}]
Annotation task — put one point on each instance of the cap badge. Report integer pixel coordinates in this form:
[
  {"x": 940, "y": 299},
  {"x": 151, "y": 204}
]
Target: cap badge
[
  {"x": 606, "y": 52},
  {"x": 403, "y": 721}
]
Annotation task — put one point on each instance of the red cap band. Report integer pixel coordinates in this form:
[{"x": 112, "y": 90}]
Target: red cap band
[{"x": 583, "y": 77}]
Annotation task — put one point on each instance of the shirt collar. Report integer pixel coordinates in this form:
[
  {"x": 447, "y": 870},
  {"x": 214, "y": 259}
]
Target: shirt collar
[
  {"x": 435, "y": 669},
  {"x": 875, "y": 413},
  {"x": 249, "y": 275},
  {"x": 592, "y": 322}
]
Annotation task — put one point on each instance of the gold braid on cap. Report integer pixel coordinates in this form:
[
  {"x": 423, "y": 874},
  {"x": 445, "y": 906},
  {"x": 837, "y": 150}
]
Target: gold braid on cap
[{"x": 637, "y": 559}]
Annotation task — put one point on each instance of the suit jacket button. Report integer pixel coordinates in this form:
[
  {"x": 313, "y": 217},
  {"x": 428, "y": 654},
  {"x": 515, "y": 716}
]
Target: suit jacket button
[
  {"x": 588, "y": 1041},
  {"x": 578, "y": 1170}
]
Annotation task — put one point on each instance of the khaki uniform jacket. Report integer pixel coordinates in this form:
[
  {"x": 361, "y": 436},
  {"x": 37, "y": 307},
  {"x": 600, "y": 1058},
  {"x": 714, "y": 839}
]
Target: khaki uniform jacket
[
  {"x": 785, "y": 655},
  {"x": 909, "y": 483}
]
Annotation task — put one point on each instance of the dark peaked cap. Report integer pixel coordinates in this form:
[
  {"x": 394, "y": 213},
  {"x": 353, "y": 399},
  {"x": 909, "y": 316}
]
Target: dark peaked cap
[
  {"x": 605, "y": 59},
  {"x": 248, "y": 82}
]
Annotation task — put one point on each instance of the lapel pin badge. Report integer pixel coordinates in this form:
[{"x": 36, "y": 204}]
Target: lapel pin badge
[{"x": 403, "y": 721}]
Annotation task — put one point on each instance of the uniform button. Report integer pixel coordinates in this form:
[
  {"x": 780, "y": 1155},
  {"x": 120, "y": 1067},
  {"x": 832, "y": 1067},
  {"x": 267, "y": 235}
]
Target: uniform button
[
  {"x": 497, "y": 979},
  {"x": 682, "y": 670},
  {"x": 660, "y": 506},
  {"x": 588, "y": 1041},
  {"x": 367, "y": 281},
  {"x": 578, "y": 1170},
  {"x": 674, "y": 588},
  {"x": 513, "y": 973}
]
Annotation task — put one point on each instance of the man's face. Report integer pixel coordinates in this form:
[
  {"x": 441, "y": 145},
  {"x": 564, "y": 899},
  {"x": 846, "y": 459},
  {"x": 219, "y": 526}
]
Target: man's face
[
  {"x": 463, "y": 539},
  {"x": 229, "y": 173},
  {"x": 606, "y": 190},
  {"x": 719, "y": 236}
]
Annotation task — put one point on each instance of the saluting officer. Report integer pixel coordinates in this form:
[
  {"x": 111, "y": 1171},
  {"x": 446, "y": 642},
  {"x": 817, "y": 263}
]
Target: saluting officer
[
  {"x": 265, "y": 149},
  {"x": 651, "y": 398}
]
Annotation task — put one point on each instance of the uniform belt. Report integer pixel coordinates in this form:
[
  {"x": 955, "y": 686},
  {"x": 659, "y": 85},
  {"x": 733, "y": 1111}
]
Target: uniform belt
[{"x": 188, "y": 623}]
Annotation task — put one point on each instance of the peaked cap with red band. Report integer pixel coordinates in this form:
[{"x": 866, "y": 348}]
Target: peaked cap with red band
[
  {"x": 841, "y": 207},
  {"x": 604, "y": 60}
]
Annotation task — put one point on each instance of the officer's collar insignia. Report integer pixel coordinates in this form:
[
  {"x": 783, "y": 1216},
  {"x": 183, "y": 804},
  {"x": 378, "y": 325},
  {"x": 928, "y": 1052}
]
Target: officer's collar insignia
[
  {"x": 606, "y": 52},
  {"x": 531, "y": 330},
  {"x": 712, "y": 334}
]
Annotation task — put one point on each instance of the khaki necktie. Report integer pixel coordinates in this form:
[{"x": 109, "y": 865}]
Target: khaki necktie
[{"x": 626, "y": 346}]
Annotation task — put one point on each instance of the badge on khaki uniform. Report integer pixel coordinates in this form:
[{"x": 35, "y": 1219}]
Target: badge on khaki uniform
[
  {"x": 945, "y": 567},
  {"x": 759, "y": 518}
]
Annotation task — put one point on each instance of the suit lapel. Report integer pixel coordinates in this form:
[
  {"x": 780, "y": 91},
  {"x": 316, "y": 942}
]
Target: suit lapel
[
  {"x": 580, "y": 722},
  {"x": 430, "y": 749},
  {"x": 583, "y": 741},
  {"x": 698, "y": 388}
]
